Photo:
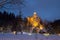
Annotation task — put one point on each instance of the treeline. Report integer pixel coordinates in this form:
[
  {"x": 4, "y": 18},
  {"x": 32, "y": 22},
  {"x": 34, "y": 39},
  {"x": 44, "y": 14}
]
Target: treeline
[
  {"x": 56, "y": 26},
  {"x": 53, "y": 27},
  {"x": 9, "y": 23}
]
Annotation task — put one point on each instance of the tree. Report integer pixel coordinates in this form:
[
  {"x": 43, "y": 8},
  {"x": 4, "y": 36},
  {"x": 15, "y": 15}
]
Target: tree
[
  {"x": 26, "y": 27},
  {"x": 5, "y": 3},
  {"x": 56, "y": 26},
  {"x": 53, "y": 27}
]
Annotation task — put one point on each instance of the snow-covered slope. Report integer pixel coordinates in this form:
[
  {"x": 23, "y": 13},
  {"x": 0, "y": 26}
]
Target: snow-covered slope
[{"x": 27, "y": 36}]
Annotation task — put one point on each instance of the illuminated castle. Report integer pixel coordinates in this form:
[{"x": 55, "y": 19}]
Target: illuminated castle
[{"x": 34, "y": 21}]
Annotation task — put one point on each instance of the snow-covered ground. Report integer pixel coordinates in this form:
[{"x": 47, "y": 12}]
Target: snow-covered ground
[{"x": 28, "y": 36}]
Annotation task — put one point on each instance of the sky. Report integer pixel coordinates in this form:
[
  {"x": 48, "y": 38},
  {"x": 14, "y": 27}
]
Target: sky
[{"x": 46, "y": 9}]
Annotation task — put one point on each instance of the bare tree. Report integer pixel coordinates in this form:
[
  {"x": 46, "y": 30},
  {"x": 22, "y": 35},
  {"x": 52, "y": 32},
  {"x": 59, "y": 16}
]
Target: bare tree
[{"x": 5, "y": 3}]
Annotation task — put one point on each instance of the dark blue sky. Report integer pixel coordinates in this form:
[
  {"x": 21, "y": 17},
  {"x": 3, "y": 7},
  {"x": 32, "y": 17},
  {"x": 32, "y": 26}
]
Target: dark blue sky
[{"x": 46, "y": 9}]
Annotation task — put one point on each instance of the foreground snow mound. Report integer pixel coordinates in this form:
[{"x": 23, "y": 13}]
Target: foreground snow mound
[{"x": 27, "y": 36}]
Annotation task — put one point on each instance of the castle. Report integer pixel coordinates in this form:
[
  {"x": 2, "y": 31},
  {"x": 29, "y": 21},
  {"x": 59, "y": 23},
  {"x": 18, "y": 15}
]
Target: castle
[{"x": 35, "y": 22}]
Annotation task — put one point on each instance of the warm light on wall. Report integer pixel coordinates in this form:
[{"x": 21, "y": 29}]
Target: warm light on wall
[
  {"x": 46, "y": 34},
  {"x": 41, "y": 27},
  {"x": 14, "y": 32}
]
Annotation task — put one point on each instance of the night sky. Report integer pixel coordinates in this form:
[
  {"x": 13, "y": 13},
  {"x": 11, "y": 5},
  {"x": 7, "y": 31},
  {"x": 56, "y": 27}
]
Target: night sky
[{"x": 46, "y": 9}]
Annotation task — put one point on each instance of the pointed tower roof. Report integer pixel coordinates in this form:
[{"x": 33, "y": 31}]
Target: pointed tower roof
[{"x": 35, "y": 13}]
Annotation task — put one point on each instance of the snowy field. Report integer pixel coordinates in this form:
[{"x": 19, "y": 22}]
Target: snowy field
[{"x": 27, "y": 36}]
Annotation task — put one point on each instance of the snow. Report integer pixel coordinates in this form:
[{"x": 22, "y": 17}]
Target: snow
[{"x": 27, "y": 36}]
